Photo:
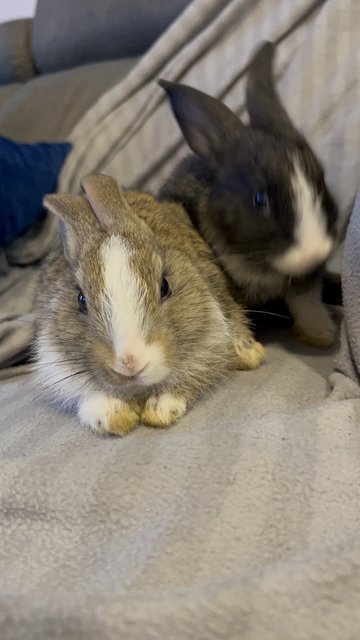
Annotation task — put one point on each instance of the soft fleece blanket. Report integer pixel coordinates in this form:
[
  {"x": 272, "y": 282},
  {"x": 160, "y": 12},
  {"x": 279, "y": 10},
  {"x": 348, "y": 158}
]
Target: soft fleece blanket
[
  {"x": 241, "y": 522},
  {"x": 346, "y": 376}
]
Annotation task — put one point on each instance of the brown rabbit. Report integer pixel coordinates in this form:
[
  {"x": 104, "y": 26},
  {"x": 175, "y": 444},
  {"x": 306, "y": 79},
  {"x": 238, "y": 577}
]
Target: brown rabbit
[{"x": 135, "y": 318}]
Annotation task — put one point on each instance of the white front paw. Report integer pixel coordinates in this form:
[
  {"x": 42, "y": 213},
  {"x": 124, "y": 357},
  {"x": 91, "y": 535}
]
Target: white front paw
[
  {"x": 104, "y": 414},
  {"x": 163, "y": 410},
  {"x": 317, "y": 329}
]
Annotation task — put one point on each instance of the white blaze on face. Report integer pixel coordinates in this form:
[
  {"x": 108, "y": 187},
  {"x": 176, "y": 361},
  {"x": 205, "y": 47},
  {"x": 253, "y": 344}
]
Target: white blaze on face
[
  {"x": 125, "y": 315},
  {"x": 312, "y": 242}
]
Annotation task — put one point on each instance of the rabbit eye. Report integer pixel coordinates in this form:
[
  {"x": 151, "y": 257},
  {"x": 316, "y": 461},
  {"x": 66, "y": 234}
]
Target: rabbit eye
[
  {"x": 260, "y": 199},
  {"x": 165, "y": 290},
  {"x": 82, "y": 302}
]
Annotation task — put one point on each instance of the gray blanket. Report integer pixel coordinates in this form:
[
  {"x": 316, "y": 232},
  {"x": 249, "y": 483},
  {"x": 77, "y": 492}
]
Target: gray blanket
[
  {"x": 19, "y": 270},
  {"x": 346, "y": 376}
]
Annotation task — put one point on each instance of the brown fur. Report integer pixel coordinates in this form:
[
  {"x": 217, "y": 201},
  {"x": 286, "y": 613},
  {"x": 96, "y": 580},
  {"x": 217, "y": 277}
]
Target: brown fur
[{"x": 163, "y": 238}]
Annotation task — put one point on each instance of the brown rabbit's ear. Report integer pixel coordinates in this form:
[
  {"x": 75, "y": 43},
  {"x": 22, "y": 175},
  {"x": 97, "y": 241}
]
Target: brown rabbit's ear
[
  {"x": 206, "y": 123},
  {"x": 262, "y": 101},
  {"x": 76, "y": 217},
  {"x": 72, "y": 209},
  {"x": 106, "y": 199}
]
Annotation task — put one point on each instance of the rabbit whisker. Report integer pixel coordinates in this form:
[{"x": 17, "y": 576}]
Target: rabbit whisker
[
  {"x": 268, "y": 313},
  {"x": 71, "y": 375}
]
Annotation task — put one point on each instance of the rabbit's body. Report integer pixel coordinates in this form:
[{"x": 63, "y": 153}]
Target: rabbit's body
[
  {"x": 257, "y": 195},
  {"x": 135, "y": 318}
]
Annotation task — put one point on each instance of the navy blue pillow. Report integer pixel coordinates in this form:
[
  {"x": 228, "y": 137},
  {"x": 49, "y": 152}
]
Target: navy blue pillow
[{"x": 27, "y": 173}]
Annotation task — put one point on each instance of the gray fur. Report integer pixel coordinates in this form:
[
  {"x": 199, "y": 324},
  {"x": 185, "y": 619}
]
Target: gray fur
[{"x": 217, "y": 187}]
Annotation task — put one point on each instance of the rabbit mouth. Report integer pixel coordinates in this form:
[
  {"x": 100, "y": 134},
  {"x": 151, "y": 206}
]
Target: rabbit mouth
[
  {"x": 117, "y": 379},
  {"x": 145, "y": 377}
]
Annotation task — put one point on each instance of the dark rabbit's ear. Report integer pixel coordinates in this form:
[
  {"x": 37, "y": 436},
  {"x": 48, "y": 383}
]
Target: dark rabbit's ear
[
  {"x": 262, "y": 101},
  {"x": 207, "y": 124}
]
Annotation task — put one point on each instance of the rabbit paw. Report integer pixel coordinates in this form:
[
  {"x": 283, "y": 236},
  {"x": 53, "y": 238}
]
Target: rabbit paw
[
  {"x": 163, "y": 410},
  {"x": 312, "y": 321},
  {"x": 318, "y": 330},
  {"x": 249, "y": 353},
  {"x": 107, "y": 415}
]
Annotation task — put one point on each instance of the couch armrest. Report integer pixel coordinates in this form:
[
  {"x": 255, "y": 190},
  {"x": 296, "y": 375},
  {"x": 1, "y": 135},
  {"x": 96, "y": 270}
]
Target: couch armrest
[{"x": 16, "y": 60}]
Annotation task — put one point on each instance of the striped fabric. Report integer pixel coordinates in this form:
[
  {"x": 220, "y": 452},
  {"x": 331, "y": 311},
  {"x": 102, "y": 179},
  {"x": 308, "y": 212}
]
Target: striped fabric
[{"x": 131, "y": 134}]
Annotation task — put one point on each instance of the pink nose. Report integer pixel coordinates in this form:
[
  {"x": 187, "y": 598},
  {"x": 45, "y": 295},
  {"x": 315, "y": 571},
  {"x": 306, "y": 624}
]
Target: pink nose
[{"x": 129, "y": 365}]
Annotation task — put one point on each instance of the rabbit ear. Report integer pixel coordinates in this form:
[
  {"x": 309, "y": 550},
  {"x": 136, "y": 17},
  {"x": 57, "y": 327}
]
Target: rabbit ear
[
  {"x": 73, "y": 209},
  {"x": 76, "y": 217},
  {"x": 206, "y": 123},
  {"x": 105, "y": 198},
  {"x": 262, "y": 101}
]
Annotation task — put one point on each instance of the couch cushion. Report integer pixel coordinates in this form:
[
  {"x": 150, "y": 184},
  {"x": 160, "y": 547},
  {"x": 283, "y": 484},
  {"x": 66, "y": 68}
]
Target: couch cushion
[
  {"x": 16, "y": 61},
  {"x": 69, "y": 33},
  {"x": 6, "y": 90},
  {"x": 48, "y": 107}
]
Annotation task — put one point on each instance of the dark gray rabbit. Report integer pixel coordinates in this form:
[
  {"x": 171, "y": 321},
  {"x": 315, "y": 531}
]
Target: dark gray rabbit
[{"x": 258, "y": 196}]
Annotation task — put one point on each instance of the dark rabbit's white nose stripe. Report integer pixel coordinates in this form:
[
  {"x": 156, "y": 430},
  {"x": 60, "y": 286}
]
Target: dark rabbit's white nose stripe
[{"x": 312, "y": 242}]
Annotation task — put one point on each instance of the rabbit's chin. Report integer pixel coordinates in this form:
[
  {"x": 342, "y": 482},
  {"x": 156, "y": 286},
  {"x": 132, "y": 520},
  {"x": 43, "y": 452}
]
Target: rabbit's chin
[{"x": 152, "y": 375}]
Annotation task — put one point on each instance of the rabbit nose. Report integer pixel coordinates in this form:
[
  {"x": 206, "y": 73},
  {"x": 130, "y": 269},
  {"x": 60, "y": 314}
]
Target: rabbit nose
[{"x": 128, "y": 365}]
